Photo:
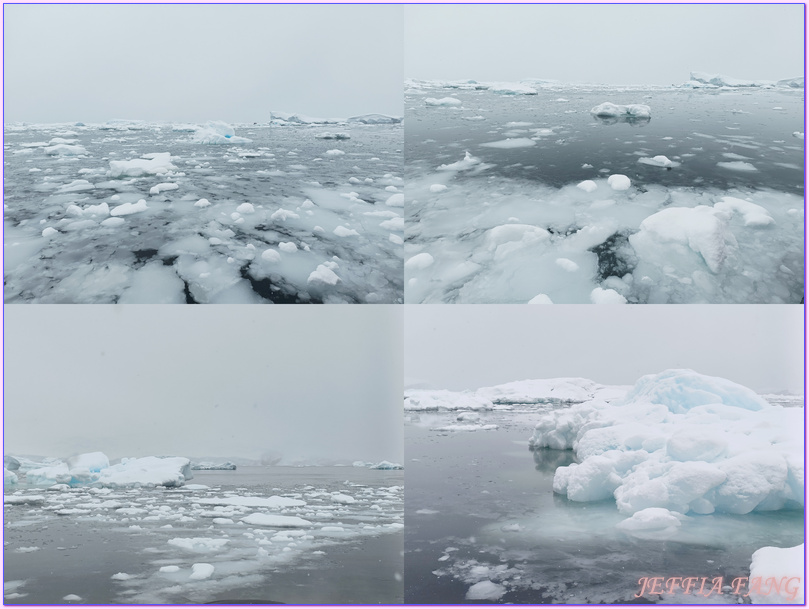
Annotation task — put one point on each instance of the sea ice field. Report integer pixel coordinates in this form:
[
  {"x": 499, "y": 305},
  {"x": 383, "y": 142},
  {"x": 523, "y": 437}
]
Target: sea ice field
[
  {"x": 539, "y": 192},
  {"x": 143, "y": 533},
  {"x": 567, "y": 491},
  {"x": 293, "y": 211}
]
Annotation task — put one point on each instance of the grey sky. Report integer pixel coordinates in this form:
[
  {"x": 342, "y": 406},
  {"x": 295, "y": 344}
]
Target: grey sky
[
  {"x": 195, "y": 63},
  {"x": 470, "y": 346},
  {"x": 611, "y": 44},
  {"x": 306, "y": 382}
]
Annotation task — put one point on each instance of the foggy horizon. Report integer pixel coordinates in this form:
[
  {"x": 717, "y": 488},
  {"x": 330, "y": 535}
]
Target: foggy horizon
[
  {"x": 235, "y": 63},
  {"x": 474, "y": 346},
  {"x": 657, "y": 44},
  {"x": 308, "y": 384}
]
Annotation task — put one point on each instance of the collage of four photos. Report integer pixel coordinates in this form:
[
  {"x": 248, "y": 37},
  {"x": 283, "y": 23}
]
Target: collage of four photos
[{"x": 372, "y": 200}]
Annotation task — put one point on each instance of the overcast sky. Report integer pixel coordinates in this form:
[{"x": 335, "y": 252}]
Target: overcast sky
[
  {"x": 305, "y": 382},
  {"x": 195, "y": 63},
  {"x": 470, "y": 346},
  {"x": 611, "y": 44}
]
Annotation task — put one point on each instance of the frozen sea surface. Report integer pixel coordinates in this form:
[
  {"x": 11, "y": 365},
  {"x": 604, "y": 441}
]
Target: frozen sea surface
[
  {"x": 140, "y": 213},
  {"x": 203, "y": 543},
  {"x": 520, "y": 198},
  {"x": 484, "y": 524}
]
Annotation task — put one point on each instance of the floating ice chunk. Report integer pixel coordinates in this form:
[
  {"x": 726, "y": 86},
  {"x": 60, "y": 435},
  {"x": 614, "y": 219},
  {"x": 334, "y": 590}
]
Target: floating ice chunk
[
  {"x": 619, "y": 181},
  {"x": 754, "y": 215},
  {"x": 245, "y": 208},
  {"x": 113, "y": 222},
  {"x": 288, "y": 247},
  {"x": 284, "y": 214},
  {"x": 737, "y": 166},
  {"x": 147, "y": 471},
  {"x": 419, "y": 262},
  {"x": 335, "y": 152},
  {"x": 444, "y": 101},
  {"x": 129, "y": 208},
  {"x": 485, "y": 591},
  {"x": 467, "y": 163},
  {"x": 102, "y": 209},
  {"x": 323, "y": 274},
  {"x": 49, "y": 232},
  {"x": 608, "y": 109},
  {"x": 776, "y": 576},
  {"x": 652, "y": 523},
  {"x": 218, "y": 132},
  {"x": 341, "y": 498},
  {"x": 199, "y": 545},
  {"x": 508, "y": 143},
  {"x": 25, "y": 499},
  {"x": 122, "y": 576},
  {"x": 169, "y": 569},
  {"x": 202, "y": 203},
  {"x": 151, "y": 164},
  {"x": 541, "y": 299},
  {"x": 327, "y": 135},
  {"x": 437, "y": 188},
  {"x": 697, "y": 227},
  {"x": 609, "y": 296},
  {"x": 270, "y": 255},
  {"x": 71, "y": 598},
  {"x": 65, "y": 150},
  {"x": 396, "y": 223},
  {"x": 587, "y": 185},
  {"x": 396, "y": 200},
  {"x": 658, "y": 161},
  {"x": 342, "y": 231},
  {"x": 271, "y": 520},
  {"x": 798, "y": 134},
  {"x": 163, "y": 187},
  {"x": 77, "y": 186},
  {"x": 201, "y": 570},
  {"x": 568, "y": 265}
]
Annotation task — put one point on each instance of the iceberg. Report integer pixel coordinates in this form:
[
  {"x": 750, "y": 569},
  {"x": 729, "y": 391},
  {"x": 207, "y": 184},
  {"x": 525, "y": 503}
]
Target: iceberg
[
  {"x": 9, "y": 478},
  {"x": 147, "y": 471},
  {"x": 206, "y": 465},
  {"x": 683, "y": 442},
  {"x": 218, "y": 132}
]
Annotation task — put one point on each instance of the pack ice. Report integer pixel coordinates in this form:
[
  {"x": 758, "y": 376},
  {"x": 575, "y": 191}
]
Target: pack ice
[
  {"x": 679, "y": 444},
  {"x": 131, "y": 212}
]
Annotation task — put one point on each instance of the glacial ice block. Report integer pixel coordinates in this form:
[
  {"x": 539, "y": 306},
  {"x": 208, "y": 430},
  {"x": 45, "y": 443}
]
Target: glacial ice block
[
  {"x": 147, "y": 471},
  {"x": 157, "y": 163},
  {"x": 683, "y": 442}
]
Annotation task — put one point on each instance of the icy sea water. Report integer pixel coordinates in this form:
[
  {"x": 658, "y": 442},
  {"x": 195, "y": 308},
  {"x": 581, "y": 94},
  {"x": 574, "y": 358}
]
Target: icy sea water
[
  {"x": 323, "y": 223},
  {"x": 480, "y": 507},
  {"x": 528, "y": 153},
  {"x": 352, "y": 553}
]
